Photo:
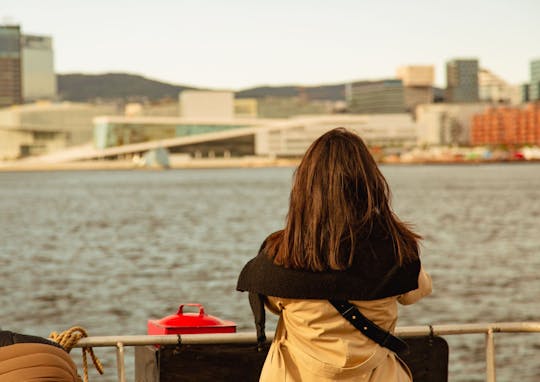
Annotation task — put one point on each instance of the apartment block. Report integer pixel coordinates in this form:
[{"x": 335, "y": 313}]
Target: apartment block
[{"x": 507, "y": 126}]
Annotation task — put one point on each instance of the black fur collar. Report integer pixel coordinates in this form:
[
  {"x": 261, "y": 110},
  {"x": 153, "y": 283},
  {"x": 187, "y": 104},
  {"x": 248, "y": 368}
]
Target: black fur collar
[{"x": 374, "y": 274}]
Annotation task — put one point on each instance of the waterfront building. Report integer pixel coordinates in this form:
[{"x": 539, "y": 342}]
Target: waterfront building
[
  {"x": 10, "y": 66},
  {"x": 418, "y": 84},
  {"x": 446, "y": 123},
  {"x": 38, "y": 76},
  {"x": 377, "y": 130},
  {"x": 462, "y": 80},
  {"x": 112, "y": 131},
  {"x": 43, "y": 127},
  {"x": 376, "y": 97},
  {"x": 507, "y": 126},
  {"x": 239, "y": 137},
  {"x": 534, "y": 86},
  {"x": 492, "y": 88},
  {"x": 207, "y": 104}
]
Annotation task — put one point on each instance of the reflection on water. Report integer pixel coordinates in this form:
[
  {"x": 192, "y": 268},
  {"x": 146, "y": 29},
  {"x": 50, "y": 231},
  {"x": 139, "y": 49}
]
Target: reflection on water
[{"x": 108, "y": 250}]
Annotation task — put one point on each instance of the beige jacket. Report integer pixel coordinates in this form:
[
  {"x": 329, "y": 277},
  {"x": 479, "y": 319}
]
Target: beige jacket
[{"x": 313, "y": 342}]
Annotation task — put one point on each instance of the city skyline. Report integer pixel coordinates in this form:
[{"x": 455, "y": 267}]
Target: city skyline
[{"x": 240, "y": 44}]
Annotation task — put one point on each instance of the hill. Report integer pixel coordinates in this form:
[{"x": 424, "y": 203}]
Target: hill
[
  {"x": 109, "y": 86},
  {"x": 87, "y": 87},
  {"x": 323, "y": 92}
]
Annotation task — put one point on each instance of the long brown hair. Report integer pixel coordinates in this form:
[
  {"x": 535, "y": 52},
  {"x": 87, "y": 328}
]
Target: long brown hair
[{"x": 338, "y": 191}]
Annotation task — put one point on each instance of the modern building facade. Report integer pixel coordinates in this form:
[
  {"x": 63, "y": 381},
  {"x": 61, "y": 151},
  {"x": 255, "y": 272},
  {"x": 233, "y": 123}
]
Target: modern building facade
[
  {"x": 507, "y": 126},
  {"x": 376, "y": 97},
  {"x": 462, "y": 80},
  {"x": 40, "y": 128},
  {"x": 443, "y": 124},
  {"x": 492, "y": 88},
  {"x": 38, "y": 76},
  {"x": 418, "y": 84},
  {"x": 534, "y": 86},
  {"x": 377, "y": 130},
  {"x": 26, "y": 67},
  {"x": 267, "y": 137},
  {"x": 10, "y": 66},
  {"x": 121, "y": 131}
]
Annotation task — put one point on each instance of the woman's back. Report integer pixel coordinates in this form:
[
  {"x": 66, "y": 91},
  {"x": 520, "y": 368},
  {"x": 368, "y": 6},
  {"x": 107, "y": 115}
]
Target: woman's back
[
  {"x": 313, "y": 334},
  {"x": 314, "y": 342}
]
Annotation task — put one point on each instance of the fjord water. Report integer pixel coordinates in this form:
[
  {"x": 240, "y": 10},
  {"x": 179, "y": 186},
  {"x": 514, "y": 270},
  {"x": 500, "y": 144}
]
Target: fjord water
[{"x": 108, "y": 250}]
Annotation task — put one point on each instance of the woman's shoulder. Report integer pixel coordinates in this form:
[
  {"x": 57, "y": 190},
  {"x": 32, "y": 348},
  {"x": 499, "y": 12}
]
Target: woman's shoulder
[{"x": 271, "y": 241}]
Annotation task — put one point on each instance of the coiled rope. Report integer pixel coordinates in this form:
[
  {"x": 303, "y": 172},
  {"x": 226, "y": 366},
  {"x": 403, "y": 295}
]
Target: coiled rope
[{"x": 69, "y": 338}]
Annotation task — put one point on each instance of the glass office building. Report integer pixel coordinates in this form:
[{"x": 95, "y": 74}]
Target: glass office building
[{"x": 462, "y": 80}]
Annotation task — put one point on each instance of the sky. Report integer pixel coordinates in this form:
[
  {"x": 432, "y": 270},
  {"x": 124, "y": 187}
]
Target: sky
[{"x": 236, "y": 44}]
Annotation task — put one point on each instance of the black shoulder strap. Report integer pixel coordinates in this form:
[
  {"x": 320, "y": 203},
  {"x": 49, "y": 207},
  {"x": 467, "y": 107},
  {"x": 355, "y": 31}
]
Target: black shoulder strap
[
  {"x": 369, "y": 328},
  {"x": 256, "y": 301}
]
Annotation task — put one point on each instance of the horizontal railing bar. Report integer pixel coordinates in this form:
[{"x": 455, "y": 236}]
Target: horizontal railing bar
[
  {"x": 451, "y": 329},
  {"x": 168, "y": 339},
  {"x": 249, "y": 337}
]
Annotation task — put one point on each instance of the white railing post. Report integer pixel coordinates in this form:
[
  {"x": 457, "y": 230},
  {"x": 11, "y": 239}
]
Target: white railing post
[
  {"x": 120, "y": 362},
  {"x": 490, "y": 356}
]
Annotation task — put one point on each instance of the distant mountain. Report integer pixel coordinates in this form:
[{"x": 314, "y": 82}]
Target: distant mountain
[
  {"x": 114, "y": 86},
  {"x": 87, "y": 87},
  {"x": 323, "y": 92}
]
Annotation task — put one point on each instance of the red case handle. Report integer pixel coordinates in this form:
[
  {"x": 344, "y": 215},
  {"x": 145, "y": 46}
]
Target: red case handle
[{"x": 181, "y": 309}]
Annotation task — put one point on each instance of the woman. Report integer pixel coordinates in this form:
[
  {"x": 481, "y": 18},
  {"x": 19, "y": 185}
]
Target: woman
[{"x": 343, "y": 242}]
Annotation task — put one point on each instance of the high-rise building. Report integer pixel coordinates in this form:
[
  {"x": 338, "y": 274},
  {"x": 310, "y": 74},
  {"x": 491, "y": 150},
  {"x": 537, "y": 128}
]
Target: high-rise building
[
  {"x": 462, "y": 80},
  {"x": 534, "y": 86},
  {"x": 38, "y": 77},
  {"x": 418, "y": 84},
  {"x": 376, "y": 97},
  {"x": 10, "y": 65}
]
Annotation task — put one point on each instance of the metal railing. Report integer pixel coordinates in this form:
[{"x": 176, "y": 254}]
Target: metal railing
[{"x": 236, "y": 338}]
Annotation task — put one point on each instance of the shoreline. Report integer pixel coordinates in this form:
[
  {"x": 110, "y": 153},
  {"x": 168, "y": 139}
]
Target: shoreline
[
  {"x": 119, "y": 165},
  {"x": 217, "y": 163}
]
